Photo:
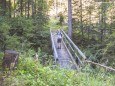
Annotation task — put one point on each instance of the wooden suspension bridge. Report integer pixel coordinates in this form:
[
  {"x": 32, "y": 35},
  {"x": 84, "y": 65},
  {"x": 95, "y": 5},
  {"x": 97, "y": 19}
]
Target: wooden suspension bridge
[{"x": 69, "y": 56}]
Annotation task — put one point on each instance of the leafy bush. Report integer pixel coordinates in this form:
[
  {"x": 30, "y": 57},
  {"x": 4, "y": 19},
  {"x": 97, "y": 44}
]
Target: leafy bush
[{"x": 31, "y": 73}]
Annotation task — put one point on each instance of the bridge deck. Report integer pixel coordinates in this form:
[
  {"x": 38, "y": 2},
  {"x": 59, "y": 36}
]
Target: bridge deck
[{"x": 64, "y": 60}]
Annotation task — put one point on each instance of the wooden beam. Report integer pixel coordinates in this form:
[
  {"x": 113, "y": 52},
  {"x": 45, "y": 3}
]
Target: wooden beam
[{"x": 110, "y": 68}]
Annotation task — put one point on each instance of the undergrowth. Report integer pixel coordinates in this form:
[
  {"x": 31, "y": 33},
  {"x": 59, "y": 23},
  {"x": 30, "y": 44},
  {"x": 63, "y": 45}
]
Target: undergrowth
[{"x": 32, "y": 73}]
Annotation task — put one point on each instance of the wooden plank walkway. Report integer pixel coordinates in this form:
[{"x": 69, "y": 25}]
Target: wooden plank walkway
[{"x": 64, "y": 60}]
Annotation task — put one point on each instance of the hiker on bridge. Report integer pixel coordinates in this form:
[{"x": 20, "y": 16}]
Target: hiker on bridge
[{"x": 59, "y": 38}]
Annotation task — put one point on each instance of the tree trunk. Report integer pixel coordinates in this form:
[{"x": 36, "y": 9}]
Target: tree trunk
[
  {"x": 14, "y": 8},
  {"x": 69, "y": 19},
  {"x": 10, "y": 8},
  {"x": 103, "y": 20},
  {"x": 89, "y": 29},
  {"x": 81, "y": 21},
  {"x": 25, "y": 10},
  {"x": 21, "y": 7},
  {"x": 28, "y": 8},
  {"x": 33, "y": 9},
  {"x": 3, "y": 7}
]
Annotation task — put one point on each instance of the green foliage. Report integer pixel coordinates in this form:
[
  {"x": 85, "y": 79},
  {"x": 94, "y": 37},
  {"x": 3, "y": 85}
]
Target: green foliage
[
  {"x": 31, "y": 73},
  {"x": 109, "y": 50},
  {"x": 42, "y": 6},
  {"x": 53, "y": 23},
  {"x": 4, "y": 29},
  {"x": 15, "y": 31},
  {"x": 95, "y": 36},
  {"x": 21, "y": 26},
  {"x": 20, "y": 32},
  {"x": 61, "y": 19}
]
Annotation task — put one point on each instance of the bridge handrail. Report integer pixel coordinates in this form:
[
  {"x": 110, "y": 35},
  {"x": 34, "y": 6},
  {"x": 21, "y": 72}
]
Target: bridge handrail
[
  {"x": 71, "y": 55},
  {"x": 79, "y": 51},
  {"x": 53, "y": 47},
  {"x": 74, "y": 52},
  {"x": 83, "y": 55}
]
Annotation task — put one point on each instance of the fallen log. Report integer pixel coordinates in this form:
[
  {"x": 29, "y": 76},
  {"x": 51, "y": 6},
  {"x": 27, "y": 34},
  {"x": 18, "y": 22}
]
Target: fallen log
[{"x": 106, "y": 67}]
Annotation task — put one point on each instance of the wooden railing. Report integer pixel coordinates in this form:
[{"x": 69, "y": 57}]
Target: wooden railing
[
  {"x": 53, "y": 47},
  {"x": 76, "y": 55}
]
